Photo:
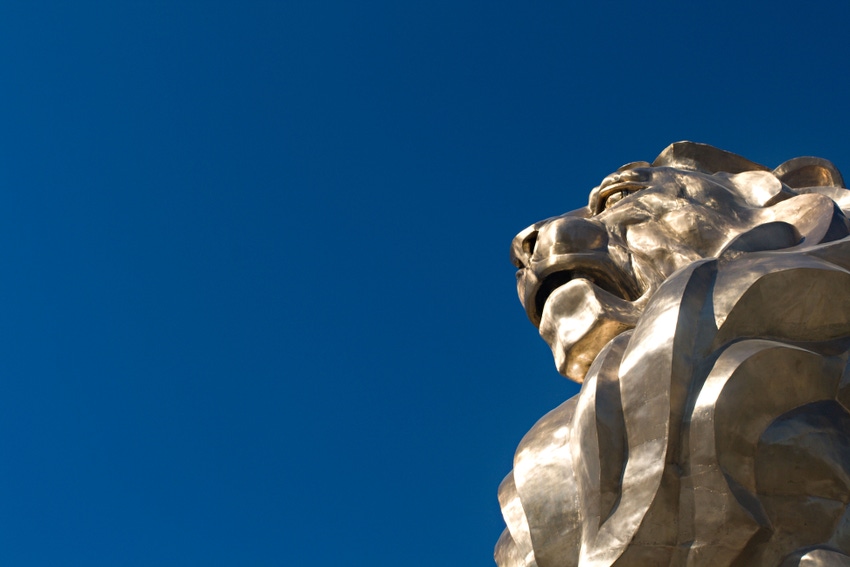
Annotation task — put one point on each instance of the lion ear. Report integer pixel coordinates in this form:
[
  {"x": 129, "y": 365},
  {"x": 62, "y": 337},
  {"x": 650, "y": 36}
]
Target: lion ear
[{"x": 809, "y": 172}]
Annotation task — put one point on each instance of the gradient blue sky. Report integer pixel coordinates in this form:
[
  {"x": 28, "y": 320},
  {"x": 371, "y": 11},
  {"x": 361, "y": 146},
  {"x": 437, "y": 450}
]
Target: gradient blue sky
[{"x": 255, "y": 300}]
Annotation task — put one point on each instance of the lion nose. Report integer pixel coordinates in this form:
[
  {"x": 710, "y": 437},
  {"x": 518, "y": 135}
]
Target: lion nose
[{"x": 561, "y": 235}]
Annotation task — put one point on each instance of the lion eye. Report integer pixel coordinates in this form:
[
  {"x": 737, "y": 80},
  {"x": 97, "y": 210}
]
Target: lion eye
[
  {"x": 612, "y": 195},
  {"x": 615, "y": 198}
]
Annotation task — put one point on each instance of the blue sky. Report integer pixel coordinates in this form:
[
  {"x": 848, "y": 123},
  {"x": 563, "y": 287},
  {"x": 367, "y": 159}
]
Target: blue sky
[{"x": 257, "y": 307}]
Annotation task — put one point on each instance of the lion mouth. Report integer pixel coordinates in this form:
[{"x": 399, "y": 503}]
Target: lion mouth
[
  {"x": 602, "y": 280},
  {"x": 578, "y": 302},
  {"x": 555, "y": 273}
]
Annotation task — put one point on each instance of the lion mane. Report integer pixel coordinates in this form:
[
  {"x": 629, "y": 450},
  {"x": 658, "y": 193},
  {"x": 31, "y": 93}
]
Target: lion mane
[{"x": 714, "y": 430}]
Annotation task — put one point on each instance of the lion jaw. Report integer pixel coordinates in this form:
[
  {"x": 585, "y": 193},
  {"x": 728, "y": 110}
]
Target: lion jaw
[{"x": 579, "y": 318}]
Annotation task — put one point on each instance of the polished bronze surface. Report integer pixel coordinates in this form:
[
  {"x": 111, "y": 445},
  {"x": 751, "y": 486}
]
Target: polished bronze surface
[{"x": 703, "y": 301}]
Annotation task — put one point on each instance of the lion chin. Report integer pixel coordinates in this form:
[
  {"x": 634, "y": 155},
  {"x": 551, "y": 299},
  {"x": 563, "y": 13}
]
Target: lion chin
[{"x": 703, "y": 301}]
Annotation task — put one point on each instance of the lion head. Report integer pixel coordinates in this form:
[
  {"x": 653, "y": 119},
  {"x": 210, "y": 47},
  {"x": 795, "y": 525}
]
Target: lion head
[{"x": 586, "y": 276}]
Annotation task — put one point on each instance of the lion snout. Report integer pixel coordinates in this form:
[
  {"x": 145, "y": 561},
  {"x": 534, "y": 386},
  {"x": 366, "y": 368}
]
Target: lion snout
[{"x": 561, "y": 235}]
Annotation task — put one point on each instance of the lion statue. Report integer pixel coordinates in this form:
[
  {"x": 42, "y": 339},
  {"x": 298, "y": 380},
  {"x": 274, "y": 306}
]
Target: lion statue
[{"x": 703, "y": 302}]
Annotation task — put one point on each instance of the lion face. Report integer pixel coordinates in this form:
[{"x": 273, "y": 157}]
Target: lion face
[{"x": 585, "y": 277}]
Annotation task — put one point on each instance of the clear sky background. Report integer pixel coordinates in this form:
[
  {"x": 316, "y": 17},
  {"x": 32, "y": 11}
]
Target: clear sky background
[{"x": 256, "y": 306}]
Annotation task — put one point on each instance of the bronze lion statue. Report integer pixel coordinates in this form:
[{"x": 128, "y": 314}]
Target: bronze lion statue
[{"x": 703, "y": 301}]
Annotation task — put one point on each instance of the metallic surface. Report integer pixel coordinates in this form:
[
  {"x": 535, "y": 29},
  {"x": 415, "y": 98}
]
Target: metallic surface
[{"x": 703, "y": 301}]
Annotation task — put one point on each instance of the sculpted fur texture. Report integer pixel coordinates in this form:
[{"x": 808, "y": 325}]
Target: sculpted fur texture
[{"x": 703, "y": 301}]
